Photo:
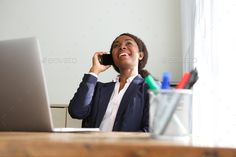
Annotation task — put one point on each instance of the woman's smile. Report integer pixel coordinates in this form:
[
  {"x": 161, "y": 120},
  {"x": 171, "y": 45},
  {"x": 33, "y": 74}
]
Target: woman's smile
[{"x": 123, "y": 55}]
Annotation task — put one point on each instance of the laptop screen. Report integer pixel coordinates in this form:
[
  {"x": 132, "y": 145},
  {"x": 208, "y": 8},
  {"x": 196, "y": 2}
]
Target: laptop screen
[{"x": 24, "y": 102}]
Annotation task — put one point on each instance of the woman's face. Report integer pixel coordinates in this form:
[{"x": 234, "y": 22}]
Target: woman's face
[{"x": 125, "y": 53}]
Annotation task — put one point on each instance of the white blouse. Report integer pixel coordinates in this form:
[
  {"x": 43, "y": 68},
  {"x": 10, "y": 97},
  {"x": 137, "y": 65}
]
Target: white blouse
[{"x": 113, "y": 105}]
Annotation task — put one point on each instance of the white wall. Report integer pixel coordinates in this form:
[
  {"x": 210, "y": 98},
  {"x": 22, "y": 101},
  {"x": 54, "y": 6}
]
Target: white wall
[{"x": 70, "y": 31}]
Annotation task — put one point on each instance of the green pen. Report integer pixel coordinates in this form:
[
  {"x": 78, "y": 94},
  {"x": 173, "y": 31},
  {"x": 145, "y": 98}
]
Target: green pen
[{"x": 150, "y": 81}]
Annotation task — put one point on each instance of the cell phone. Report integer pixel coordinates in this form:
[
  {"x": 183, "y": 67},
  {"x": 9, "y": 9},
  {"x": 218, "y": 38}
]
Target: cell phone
[{"x": 106, "y": 59}]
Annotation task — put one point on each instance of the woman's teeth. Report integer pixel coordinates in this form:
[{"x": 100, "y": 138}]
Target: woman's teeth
[{"x": 123, "y": 54}]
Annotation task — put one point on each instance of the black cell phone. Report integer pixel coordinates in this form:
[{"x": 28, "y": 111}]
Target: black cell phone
[{"x": 106, "y": 59}]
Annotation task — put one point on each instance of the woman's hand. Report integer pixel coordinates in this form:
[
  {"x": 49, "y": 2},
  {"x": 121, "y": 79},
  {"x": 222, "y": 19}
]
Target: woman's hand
[{"x": 97, "y": 67}]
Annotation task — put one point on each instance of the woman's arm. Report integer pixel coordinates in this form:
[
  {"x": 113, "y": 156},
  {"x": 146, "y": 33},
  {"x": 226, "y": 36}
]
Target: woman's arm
[{"x": 80, "y": 104}]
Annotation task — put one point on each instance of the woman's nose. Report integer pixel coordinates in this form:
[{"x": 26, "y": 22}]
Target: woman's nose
[{"x": 122, "y": 46}]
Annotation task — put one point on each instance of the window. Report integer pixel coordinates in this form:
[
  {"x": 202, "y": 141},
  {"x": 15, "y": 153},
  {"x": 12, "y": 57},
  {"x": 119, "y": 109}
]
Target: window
[{"x": 214, "y": 51}]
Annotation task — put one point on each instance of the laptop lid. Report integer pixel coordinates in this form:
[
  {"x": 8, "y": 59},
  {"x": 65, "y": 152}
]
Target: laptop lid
[{"x": 23, "y": 96}]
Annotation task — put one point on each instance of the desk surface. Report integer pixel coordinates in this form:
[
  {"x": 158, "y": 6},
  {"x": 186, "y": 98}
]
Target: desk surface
[{"x": 19, "y": 144}]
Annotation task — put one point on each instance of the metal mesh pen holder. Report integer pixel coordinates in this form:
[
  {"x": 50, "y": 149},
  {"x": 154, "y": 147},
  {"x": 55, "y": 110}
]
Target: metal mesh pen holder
[{"x": 171, "y": 114}]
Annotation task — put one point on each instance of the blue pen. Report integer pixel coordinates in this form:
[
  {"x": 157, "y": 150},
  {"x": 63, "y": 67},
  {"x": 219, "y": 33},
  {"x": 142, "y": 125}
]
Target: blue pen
[{"x": 165, "y": 81}]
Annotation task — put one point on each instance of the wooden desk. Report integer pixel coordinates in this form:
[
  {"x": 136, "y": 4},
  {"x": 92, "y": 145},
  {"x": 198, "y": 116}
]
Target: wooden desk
[{"x": 20, "y": 144}]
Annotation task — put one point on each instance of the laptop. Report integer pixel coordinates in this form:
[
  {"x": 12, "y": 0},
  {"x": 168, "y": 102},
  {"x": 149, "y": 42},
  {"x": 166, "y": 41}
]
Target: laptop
[{"x": 24, "y": 104}]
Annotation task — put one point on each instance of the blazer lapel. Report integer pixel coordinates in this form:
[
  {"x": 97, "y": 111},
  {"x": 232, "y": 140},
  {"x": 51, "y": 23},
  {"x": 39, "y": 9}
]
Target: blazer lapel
[
  {"x": 132, "y": 89},
  {"x": 104, "y": 100}
]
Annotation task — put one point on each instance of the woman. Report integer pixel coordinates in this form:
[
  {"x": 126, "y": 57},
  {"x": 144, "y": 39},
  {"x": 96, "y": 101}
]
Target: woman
[{"x": 121, "y": 105}]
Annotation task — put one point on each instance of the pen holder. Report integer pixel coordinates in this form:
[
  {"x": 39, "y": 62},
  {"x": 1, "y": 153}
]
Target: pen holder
[{"x": 171, "y": 114}]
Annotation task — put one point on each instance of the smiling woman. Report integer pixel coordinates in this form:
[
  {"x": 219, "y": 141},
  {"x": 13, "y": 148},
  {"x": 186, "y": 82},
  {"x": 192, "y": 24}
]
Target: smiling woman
[
  {"x": 121, "y": 105},
  {"x": 130, "y": 41}
]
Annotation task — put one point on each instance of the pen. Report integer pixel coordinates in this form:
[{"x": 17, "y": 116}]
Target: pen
[
  {"x": 165, "y": 81},
  {"x": 150, "y": 81},
  {"x": 183, "y": 81},
  {"x": 193, "y": 79}
]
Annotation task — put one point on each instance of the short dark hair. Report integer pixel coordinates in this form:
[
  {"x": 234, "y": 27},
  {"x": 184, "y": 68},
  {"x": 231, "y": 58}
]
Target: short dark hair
[{"x": 141, "y": 46}]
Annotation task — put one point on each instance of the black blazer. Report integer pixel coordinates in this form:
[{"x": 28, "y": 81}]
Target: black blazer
[{"x": 91, "y": 100}]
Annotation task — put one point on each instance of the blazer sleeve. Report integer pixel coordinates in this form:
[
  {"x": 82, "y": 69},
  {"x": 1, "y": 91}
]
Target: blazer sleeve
[{"x": 80, "y": 104}]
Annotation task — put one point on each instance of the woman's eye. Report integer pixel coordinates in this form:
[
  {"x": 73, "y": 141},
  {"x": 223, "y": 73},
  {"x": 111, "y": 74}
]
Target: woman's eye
[
  {"x": 128, "y": 43},
  {"x": 115, "y": 45}
]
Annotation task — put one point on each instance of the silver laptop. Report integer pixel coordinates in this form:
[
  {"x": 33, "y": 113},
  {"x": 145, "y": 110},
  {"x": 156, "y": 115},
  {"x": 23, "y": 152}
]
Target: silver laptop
[{"x": 24, "y": 104}]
